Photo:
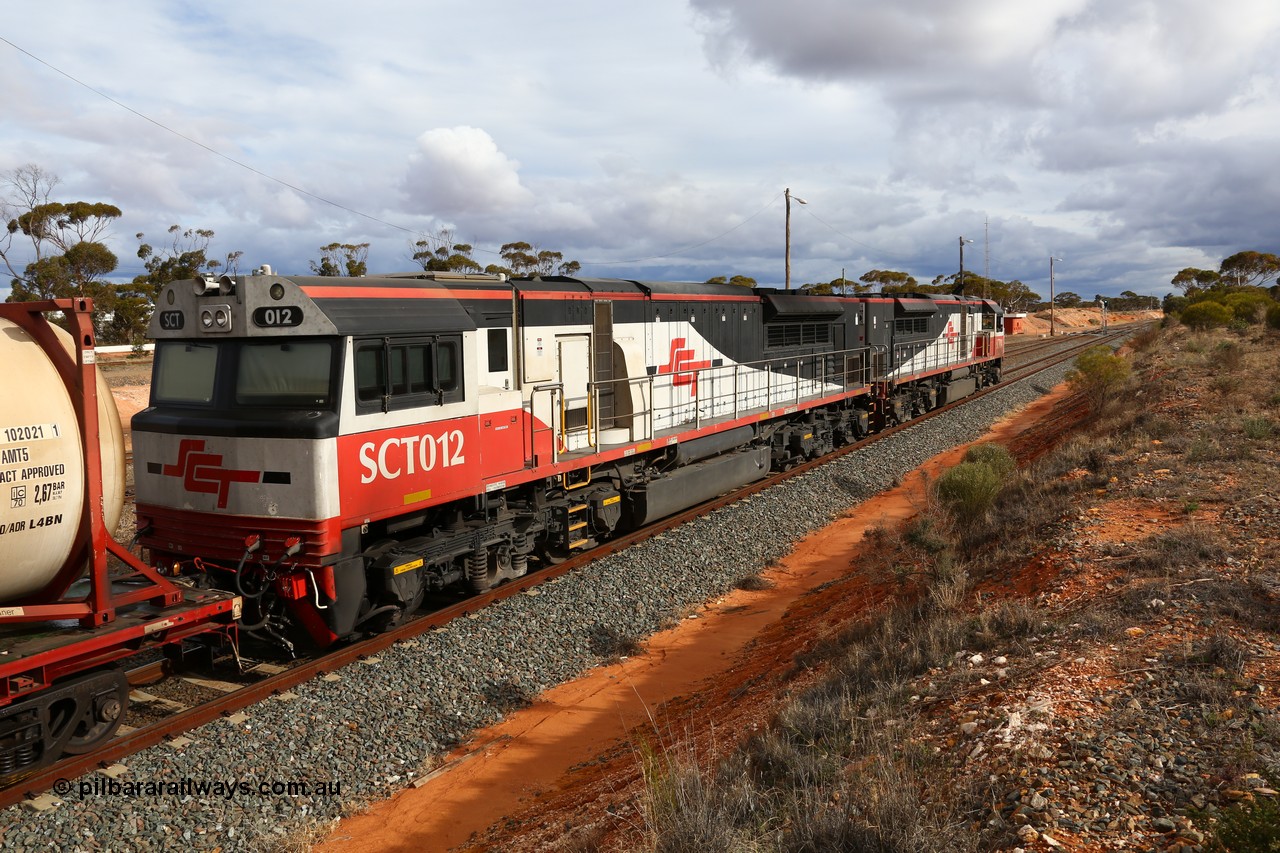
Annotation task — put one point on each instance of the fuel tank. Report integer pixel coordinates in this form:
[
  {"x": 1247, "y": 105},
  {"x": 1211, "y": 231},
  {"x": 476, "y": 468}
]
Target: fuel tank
[{"x": 42, "y": 464}]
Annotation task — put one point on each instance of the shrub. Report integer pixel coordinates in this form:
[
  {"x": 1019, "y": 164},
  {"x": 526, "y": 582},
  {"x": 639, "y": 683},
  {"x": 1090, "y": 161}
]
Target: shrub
[
  {"x": 1257, "y": 429},
  {"x": 969, "y": 489},
  {"x": 1099, "y": 374},
  {"x": 753, "y": 583},
  {"x": 1206, "y": 315},
  {"x": 923, "y": 534},
  {"x": 1250, "y": 826},
  {"x": 1250, "y": 307},
  {"x": 994, "y": 455},
  {"x": 1273, "y": 316},
  {"x": 685, "y": 809},
  {"x": 1145, "y": 339},
  {"x": 1229, "y": 356}
]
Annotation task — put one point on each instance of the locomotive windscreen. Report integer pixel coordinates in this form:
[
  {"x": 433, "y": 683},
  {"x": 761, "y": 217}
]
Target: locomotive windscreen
[
  {"x": 184, "y": 372},
  {"x": 294, "y": 374}
]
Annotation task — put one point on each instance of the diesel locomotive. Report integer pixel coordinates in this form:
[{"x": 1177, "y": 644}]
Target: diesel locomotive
[{"x": 331, "y": 449}]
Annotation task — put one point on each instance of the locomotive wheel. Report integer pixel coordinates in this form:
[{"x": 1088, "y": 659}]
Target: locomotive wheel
[
  {"x": 487, "y": 568},
  {"x": 500, "y": 565},
  {"x": 397, "y": 617}
]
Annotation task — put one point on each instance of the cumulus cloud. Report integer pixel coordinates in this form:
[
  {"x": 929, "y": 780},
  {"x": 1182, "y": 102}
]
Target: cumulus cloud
[{"x": 460, "y": 170}]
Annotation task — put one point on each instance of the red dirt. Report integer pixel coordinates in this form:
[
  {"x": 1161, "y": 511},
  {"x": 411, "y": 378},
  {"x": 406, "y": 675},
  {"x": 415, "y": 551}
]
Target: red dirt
[
  {"x": 130, "y": 399},
  {"x": 1069, "y": 320},
  {"x": 573, "y": 759}
]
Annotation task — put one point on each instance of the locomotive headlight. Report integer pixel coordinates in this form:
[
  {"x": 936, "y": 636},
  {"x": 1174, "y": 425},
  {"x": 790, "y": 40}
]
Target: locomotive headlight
[
  {"x": 216, "y": 318},
  {"x": 277, "y": 291}
]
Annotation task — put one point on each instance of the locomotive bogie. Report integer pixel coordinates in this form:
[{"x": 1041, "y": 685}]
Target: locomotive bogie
[{"x": 419, "y": 431}]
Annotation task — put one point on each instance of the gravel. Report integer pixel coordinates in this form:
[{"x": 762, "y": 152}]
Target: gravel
[{"x": 378, "y": 725}]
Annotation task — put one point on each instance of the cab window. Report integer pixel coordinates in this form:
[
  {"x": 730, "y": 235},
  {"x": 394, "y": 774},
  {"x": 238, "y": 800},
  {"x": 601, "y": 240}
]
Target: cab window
[{"x": 394, "y": 374}]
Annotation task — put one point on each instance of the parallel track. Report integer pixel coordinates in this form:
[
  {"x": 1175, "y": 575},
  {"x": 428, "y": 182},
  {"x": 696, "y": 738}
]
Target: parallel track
[{"x": 153, "y": 733}]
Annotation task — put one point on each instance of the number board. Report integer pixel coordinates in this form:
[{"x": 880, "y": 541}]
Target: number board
[
  {"x": 171, "y": 321},
  {"x": 277, "y": 317}
]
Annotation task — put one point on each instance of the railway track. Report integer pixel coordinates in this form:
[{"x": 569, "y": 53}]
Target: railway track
[{"x": 232, "y": 694}]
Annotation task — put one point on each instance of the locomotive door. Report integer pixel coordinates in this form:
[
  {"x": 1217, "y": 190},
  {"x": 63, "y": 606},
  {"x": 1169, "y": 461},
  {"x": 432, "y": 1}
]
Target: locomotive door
[{"x": 573, "y": 352}]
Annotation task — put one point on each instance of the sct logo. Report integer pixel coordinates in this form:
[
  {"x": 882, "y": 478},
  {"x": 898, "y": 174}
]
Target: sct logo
[
  {"x": 203, "y": 472},
  {"x": 681, "y": 364}
]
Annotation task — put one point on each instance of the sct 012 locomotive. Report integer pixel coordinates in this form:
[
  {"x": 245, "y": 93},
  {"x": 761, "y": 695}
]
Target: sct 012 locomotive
[{"x": 333, "y": 448}]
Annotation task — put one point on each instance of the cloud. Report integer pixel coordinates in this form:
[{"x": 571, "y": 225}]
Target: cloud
[
  {"x": 917, "y": 48},
  {"x": 656, "y": 138},
  {"x": 459, "y": 170}
]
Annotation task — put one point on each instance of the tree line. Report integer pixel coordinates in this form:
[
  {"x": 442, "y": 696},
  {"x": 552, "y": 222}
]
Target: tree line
[
  {"x": 1012, "y": 295},
  {"x": 1243, "y": 290},
  {"x": 62, "y": 244}
]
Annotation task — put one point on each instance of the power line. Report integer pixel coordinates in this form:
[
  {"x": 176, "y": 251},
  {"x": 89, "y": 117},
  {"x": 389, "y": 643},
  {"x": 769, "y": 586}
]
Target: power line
[
  {"x": 890, "y": 255},
  {"x": 692, "y": 247},
  {"x": 212, "y": 151},
  {"x": 335, "y": 204}
]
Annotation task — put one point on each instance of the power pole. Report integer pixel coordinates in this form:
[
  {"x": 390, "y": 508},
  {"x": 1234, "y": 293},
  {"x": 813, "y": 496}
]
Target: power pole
[
  {"x": 986, "y": 247},
  {"x": 1052, "y": 325},
  {"x": 798, "y": 200},
  {"x": 960, "y": 281}
]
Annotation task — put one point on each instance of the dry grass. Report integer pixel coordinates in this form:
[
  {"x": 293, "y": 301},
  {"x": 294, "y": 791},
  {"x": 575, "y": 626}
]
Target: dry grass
[
  {"x": 838, "y": 769},
  {"x": 753, "y": 583},
  {"x": 612, "y": 645}
]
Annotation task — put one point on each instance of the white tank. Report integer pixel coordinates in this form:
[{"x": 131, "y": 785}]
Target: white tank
[{"x": 42, "y": 462}]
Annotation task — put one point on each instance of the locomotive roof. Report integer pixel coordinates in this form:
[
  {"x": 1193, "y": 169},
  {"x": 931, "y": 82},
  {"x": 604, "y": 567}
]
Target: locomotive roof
[{"x": 434, "y": 303}]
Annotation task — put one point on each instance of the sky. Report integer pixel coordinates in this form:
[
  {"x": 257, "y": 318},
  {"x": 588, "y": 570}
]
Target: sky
[{"x": 655, "y": 140}]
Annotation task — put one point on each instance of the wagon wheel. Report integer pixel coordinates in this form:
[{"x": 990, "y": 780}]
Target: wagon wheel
[{"x": 95, "y": 720}]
